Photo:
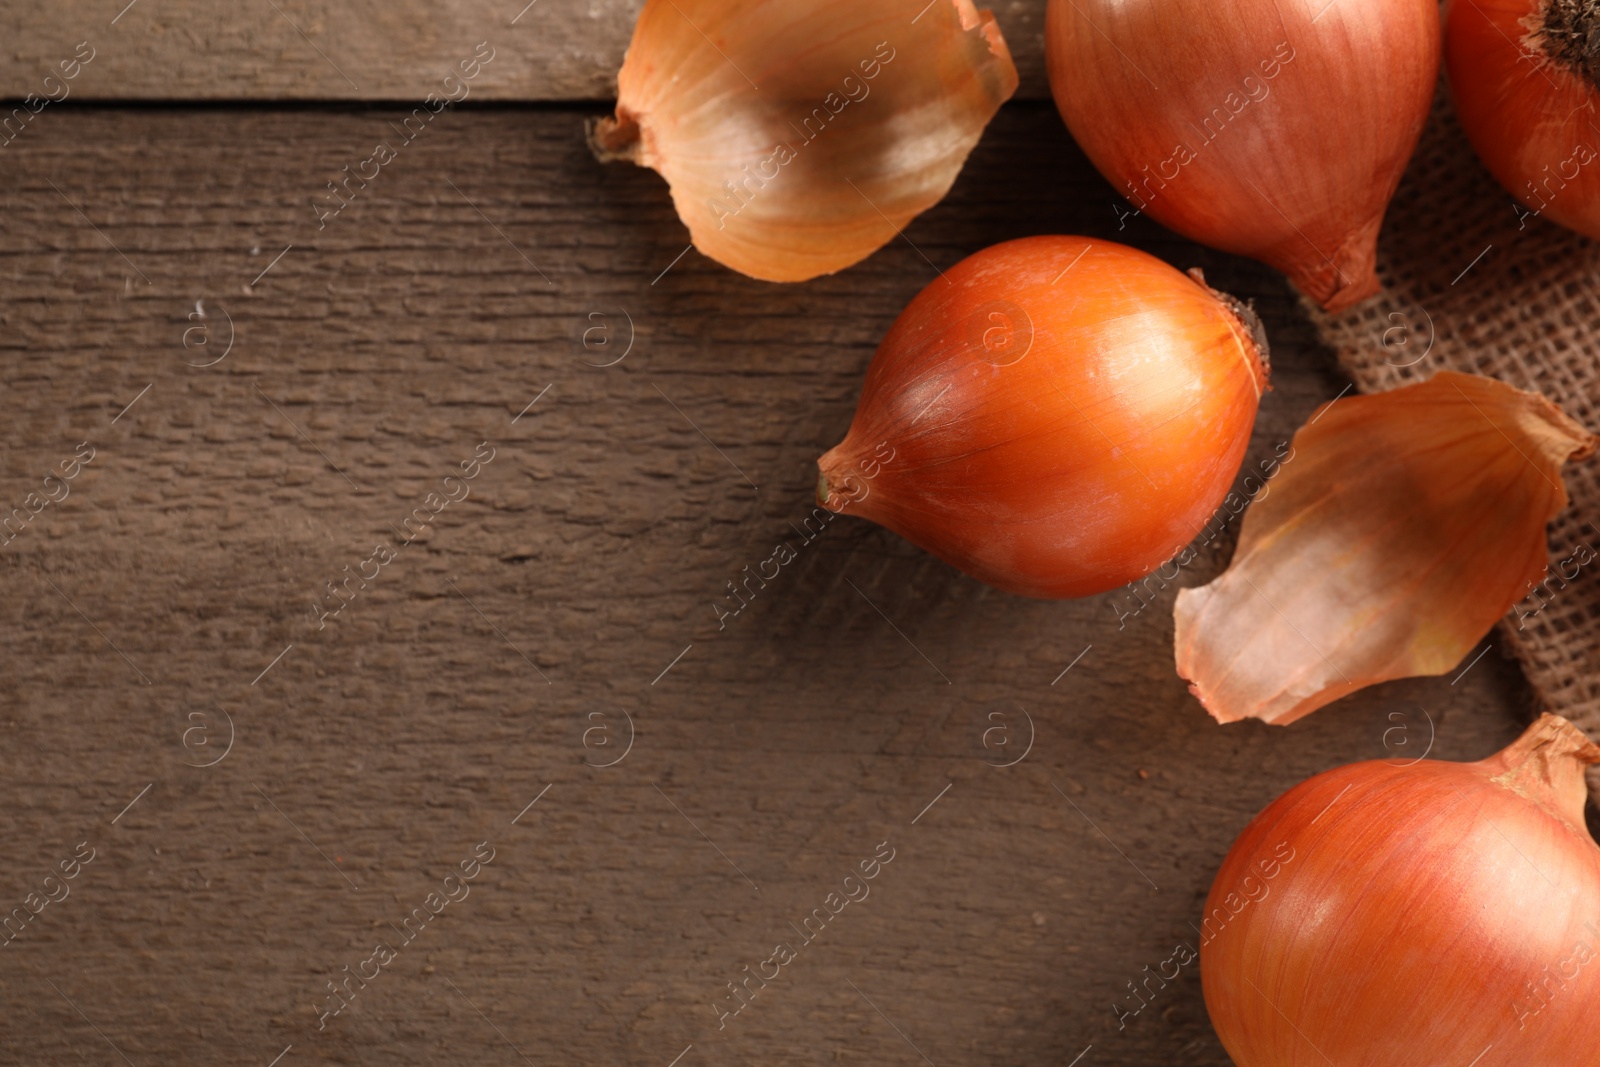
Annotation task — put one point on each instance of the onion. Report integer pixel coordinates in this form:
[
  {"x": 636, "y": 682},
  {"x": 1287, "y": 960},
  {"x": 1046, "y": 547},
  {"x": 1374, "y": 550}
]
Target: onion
[
  {"x": 798, "y": 139},
  {"x": 1395, "y": 915},
  {"x": 1525, "y": 74},
  {"x": 1276, "y": 129},
  {"x": 1055, "y": 416}
]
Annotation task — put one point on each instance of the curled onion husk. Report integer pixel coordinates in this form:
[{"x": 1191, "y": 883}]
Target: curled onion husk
[
  {"x": 1400, "y": 527},
  {"x": 1275, "y": 129},
  {"x": 1055, "y": 415},
  {"x": 797, "y": 139},
  {"x": 1526, "y": 79},
  {"x": 1395, "y": 914}
]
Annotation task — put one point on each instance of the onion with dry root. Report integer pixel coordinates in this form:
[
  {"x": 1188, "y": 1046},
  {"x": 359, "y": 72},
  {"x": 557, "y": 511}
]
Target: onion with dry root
[
  {"x": 1398, "y": 530},
  {"x": 1526, "y": 79},
  {"x": 1395, "y": 914},
  {"x": 1055, "y": 416},
  {"x": 797, "y": 139},
  {"x": 1275, "y": 129}
]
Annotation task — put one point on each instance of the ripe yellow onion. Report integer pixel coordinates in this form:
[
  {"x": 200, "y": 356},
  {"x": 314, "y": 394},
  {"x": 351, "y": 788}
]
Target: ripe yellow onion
[
  {"x": 1393, "y": 914},
  {"x": 1276, "y": 129},
  {"x": 1526, "y": 79},
  {"x": 1056, "y": 416},
  {"x": 799, "y": 138}
]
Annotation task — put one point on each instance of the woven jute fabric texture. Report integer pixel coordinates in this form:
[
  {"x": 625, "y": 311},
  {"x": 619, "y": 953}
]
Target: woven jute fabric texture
[{"x": 1473, "y": 281}]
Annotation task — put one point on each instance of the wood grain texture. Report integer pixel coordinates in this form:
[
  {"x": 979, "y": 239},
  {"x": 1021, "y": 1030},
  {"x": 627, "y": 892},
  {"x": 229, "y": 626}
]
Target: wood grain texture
[
  {"x": 775, "y": 754},
  {"x": 364, "y": 50}
]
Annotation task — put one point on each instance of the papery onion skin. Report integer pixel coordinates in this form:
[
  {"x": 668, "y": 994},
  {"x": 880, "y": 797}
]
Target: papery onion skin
[
  {"x": 1400, "y": 528},
  {"x": 1063, "y": 414},
  {"x": 1275, "y": 129},
  {"x": 797, "y": 139},
  {"x": 1423, "y": 907},
  {"x": 1530, "y": 114}
]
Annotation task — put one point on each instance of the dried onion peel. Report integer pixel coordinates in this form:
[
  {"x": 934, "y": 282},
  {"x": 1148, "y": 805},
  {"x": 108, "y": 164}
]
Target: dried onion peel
[
  {"x": 797, "y": 139},
  {"x": 1398, "y": 530}
]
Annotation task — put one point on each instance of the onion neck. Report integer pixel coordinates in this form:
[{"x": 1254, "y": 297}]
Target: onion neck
[
  {"x": 616, "y": 138},
  {"x": 833, "y": 468},
  {"x": 1342, "y": 281},
  {"x": 824, "y": 490},
  {"x": 1248, "y": 328},
  {"x": 1571, "y": 33},
  {"x": 1546, "y": 765}
]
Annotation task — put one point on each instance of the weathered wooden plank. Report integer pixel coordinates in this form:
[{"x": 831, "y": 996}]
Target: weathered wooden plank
[
  {"x": 365, "y": 50},
  {"x": 574, "y": 584}
]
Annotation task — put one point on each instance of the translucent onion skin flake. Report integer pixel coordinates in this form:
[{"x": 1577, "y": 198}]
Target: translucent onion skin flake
[
  {"x": 1402, "y": 527},
  {"x": 799, "y": 138}
]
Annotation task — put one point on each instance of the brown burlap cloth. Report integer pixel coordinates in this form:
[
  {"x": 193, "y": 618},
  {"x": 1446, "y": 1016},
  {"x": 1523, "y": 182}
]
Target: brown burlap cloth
[{"x": 1471, "y": 284}]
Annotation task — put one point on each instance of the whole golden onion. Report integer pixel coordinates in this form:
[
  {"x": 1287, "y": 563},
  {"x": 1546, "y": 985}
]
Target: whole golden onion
[
  {"x": 1400, "y": 914},
  {"x": 1056, "y": 416}
]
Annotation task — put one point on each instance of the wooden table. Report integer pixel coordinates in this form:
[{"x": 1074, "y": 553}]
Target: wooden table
[{"x": 539, "y": 674}]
